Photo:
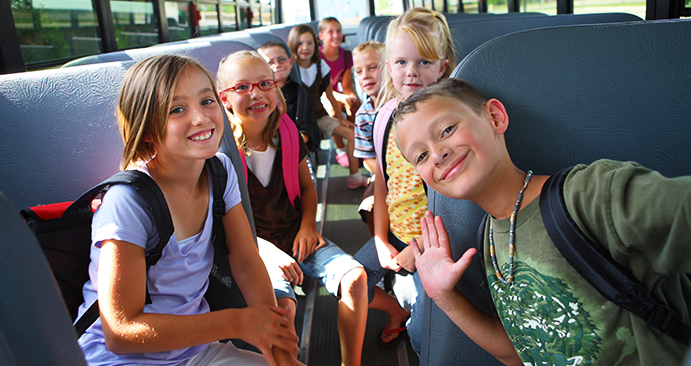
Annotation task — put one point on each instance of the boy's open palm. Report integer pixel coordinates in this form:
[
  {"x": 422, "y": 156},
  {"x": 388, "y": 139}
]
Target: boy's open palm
[{"x": 438, "y": 271}]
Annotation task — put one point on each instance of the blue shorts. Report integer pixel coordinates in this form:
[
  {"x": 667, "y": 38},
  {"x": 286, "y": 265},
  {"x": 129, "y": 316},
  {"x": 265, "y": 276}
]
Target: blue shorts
[
  {"x": 367, "y": 255},
  {"x": 328, "y": 265}
]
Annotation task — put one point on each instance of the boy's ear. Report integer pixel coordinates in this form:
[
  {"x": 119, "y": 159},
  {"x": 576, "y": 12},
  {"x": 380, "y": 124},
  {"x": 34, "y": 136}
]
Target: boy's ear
[{"x": 497, "y": 114}]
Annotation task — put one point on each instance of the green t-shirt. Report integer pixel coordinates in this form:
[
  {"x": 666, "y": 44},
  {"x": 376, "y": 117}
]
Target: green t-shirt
[{"x": 554, "y": 316}]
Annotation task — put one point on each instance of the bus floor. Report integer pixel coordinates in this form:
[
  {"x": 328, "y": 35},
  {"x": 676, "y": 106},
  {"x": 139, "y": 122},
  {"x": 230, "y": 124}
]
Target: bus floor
[{"x": 341, "y": 223}]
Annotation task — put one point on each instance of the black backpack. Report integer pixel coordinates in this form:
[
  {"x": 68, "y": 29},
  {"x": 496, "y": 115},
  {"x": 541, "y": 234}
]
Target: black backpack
[
  {"x": 64, "y": 233},
  {"x": 613, "y": 281}
]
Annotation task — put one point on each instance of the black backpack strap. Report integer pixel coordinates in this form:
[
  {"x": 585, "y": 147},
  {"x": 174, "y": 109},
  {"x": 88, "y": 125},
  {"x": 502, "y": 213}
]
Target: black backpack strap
[
  {"x": 612, "y": 280},
  {"x": 156, "y": 202},
  {"x": 220, "y": 179}
]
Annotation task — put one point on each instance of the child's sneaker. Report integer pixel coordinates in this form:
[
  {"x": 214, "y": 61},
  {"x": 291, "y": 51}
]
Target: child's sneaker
[
  {"x": 342, "y": 159},
  {"x": 354, "y": 183}
]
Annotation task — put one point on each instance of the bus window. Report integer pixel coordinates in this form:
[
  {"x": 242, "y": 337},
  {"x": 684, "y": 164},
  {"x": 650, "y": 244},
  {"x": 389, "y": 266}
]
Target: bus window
[
  {"x": 208, "y": 22},
  {"x": 349, "y": 16},
  {"x": 548, "y": 7},
  {"x": 296, "y": 12},
  {"x": 613, "y": 6},
  {"x": 389, "y": 7},
  {"x": 228, "y": 17},
  {"x": 471, "y": 6},
  {"x": 50, "y": 30},
  {"x": 497, "y": 6},
  {"x": 135, "y": 24},
  {"x": 178, "y": 15}
]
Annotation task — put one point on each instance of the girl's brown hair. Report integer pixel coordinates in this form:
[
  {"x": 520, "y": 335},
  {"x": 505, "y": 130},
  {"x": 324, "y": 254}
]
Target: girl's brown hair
[
  {"x": 235, "y": 123},
  {"x": 432, "y": 38},
  {"x": 144, "y": 102},
  {"x": 294, "y": 38}
]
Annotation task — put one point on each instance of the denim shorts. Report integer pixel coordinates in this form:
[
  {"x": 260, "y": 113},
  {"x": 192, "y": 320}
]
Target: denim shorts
[
  {"x": 328, "y": 265},
  {"x": 367, "y": 255}
]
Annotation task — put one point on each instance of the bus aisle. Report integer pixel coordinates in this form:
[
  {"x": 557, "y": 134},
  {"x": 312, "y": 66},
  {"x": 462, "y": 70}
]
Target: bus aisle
[{"x": 339, "y": 221}]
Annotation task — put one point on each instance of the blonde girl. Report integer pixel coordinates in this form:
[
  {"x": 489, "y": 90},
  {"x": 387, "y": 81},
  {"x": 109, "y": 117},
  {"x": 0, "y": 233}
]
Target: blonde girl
[
  {"x": 419, "y": 51},
  {"x": 171, "y": 121},
  {"x": 284, "y": 198},
  {"x": 315, "y": 76},
  {"x": 340, "y": 61}
]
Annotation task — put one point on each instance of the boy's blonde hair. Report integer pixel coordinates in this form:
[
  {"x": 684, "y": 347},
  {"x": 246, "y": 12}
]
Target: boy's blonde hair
[
  {"x": 294, "y": 38},
  {"x": 432, "y": 38},
  {"x": 145, "y": 98},
  {"x": 375, "y": 46},
  {"x": 235, "y": 123},
  {"x": 457, "y": 89}
]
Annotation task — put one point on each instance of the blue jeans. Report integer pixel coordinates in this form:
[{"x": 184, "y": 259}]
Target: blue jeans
[{"x": 328, "y": 265}]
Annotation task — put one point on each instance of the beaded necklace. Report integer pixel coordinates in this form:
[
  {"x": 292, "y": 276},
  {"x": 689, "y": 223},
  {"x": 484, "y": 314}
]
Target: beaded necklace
[{"x": 512, "y": 236}]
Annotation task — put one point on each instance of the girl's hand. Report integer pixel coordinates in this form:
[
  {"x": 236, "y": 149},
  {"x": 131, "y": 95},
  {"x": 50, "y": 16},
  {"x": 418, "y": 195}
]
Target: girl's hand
[
  {"x": 438, "y": 272},
  {"x": 266, "y": 327},
  {"x": 346, "y": 123},
  {"x": 352, "y": 104},
  {"x": 307, "y": 241},
  {"x": 386, "y": 254},
  {"x": 406, "y": 258}
]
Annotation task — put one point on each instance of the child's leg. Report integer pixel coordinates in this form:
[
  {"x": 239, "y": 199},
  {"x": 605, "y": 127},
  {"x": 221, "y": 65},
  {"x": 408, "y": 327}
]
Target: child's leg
[
  {"x": 397, "y": 315},
  {"x": 349, "y": 134},
  {"x": 352, "y": 315},
  {"x": 345, "y": 278}
]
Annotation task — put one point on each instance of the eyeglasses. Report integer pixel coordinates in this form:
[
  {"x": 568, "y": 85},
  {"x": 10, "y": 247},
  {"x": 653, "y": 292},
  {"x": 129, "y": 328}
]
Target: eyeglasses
[
  {"x": 278, "y": 60},
  {"x": 241, "y": 88}
]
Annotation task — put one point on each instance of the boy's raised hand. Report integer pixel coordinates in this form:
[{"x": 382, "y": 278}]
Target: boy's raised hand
[{"x": 438, "y": 271}]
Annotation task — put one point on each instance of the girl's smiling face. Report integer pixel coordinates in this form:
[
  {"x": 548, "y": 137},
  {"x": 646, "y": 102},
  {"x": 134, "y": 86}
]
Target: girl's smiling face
[
  {"x": 408, "y": 69},
  {"x": 305, "y": 48},
  {"x": 331, "y": 35},
  {"x": 255, "y": 105},
  {"x": 195, "y": 120}
]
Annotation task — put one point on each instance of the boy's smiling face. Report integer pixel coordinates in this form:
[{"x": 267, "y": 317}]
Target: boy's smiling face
[
  {"x": 453, "y": 148},
  {"x": 366, "y": 67},
  {"x": 279, "y": 61}
]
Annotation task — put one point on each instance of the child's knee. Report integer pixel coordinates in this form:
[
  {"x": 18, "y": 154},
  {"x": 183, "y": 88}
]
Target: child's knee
[{"x": 355, "y": 282}]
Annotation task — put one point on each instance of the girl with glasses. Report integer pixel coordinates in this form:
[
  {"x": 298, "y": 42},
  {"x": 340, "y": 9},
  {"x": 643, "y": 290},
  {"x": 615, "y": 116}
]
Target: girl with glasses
[{"x": 284, "y": 198}]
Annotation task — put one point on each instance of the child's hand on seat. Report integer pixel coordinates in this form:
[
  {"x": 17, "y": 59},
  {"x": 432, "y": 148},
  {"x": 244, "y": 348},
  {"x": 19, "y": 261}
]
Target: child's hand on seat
[
  {"x": 406, "y": 258},
  {"x": 386, "y": 254},
  {"x": 438, "y": 271},
  {"x": 306, "y": 242}
]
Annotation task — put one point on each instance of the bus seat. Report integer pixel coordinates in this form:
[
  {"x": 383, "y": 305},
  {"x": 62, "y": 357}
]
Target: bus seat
[
  {"x": 35, "y": 328},
  {"x": 471, "y": 33},
  {"x": 60, "y": 135},
  {"x": 208, "y": 53},
  {"x": 575, "y": 94},
  {"x": 472, "y": 30}
]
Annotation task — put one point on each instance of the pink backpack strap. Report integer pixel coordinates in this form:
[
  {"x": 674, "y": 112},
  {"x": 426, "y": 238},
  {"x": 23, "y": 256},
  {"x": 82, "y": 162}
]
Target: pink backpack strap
[
  {"x": 380, "y": 124},
  {"x": 290, "y": 149}
]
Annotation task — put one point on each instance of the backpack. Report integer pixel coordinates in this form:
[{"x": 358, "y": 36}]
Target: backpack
[
  {"x": 64, "y": 233},
  {"x": 610, "y": 279}
]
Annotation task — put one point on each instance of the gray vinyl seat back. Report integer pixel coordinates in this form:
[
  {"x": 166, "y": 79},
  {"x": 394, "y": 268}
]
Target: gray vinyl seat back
[
  {"x": 380, "y": 27},
  {"x": 574, "y": 94},
  {"x": 35, "y": 327},
  {"x": 468, "y": 34},
  {"x": 469, "y": 31},
  {"x": 59, "y": 130},
  {"x": 208, "y": 52}
]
